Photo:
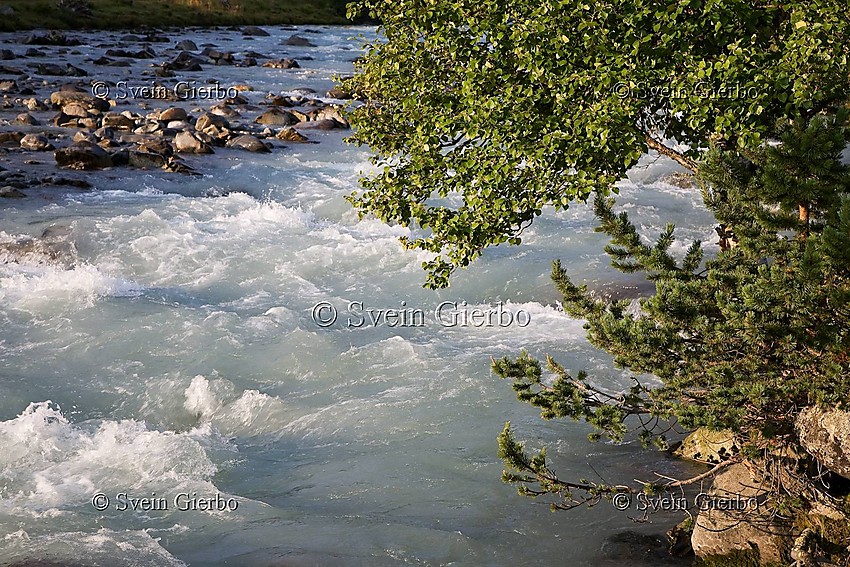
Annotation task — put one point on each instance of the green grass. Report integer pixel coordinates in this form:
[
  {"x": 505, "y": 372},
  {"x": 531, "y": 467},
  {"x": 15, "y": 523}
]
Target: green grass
[{"x": 132, "y": 14}]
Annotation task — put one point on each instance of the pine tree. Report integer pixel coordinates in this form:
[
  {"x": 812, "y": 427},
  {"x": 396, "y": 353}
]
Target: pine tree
[{"x": 741, "y": 341}]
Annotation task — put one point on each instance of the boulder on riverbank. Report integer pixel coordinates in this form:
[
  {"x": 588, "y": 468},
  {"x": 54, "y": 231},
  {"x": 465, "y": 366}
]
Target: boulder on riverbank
[
  {"x": 707, "y": 446},
  {"x": 825, "y": 434},
  {"x": 736, "y": 522}
]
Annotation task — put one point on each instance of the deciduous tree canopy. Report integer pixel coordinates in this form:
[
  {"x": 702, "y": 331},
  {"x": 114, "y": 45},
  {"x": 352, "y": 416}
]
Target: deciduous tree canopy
[{"x": 483, "y": 112}]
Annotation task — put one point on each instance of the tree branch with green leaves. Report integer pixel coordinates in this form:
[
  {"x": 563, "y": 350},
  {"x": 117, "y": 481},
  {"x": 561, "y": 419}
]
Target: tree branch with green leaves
[{"x": 482, "y": 113}]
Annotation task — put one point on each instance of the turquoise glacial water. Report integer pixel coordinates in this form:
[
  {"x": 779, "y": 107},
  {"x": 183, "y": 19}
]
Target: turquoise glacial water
[{"x": 174, "y": 363}]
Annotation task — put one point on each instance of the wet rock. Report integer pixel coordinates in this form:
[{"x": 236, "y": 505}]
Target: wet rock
[
  {"x": 146, "y": 160},
  {"x": 178, "y": 125},
  {"x": 33, "y": 52},
  {"x": 11, "y": 137},
  {"x": 62, "y": 98},
  {"x": 291, "y": 135},
  {"x": 738, "y": 522},
  {"x": 332, "y": 113},
  {"x": 298, "y": 41},
  {"x": 117, "y": 121},
  {"x": 225, "y": 111},
  {"x": 56, "y": 231},
  {"x": 76, "y": 110},
  {"x": 679, "y": 538},
  {"x": 282, "y": 101},
  {"x": 218, "y": 57},
  {"x": 52, "y": 69},
  {"x": 26, "y": 119},
  {"x": 174, "y": 165},
  {"x": 255, "y": 31},
  {"x": 275, "y": 117},
  {"x": 163, "y": 72},
  {"x": 84, "y": 156},
  {"x": 185, "y": 61},
  {"x": 65, "y": 121},
  {"x": 173, "y": 113},
  {"x": 105, "y": 133},
  {"x": 146, "y": 53},
  {"x": 156, "y": 146},
  {"x": 154, "y": 38},
  {"x": 249, "y": 143},
  {"x": 339, "y": 93},
  {"x": 186, "y": 45},
  {"x": 206, "y": 121},
  {"x": 318, "y": 125},
  {"x": 29, "y": 250},
  {"x": 84, "y": 136},
  {"x": 247, "y": 62},
  {"x": 66, "y": 182},
  {"x": 36, "y": 143},
  {"x": 285, "y": 63},
  {"x": 187, "y": 142},
  {"x": 152, "y": 127},
  {"x": 707, "y": 446},
  {"x": 237, "y": 100},
  {"x": 6, "y": 54},
  {"x": 9, "y": 192},
  {"x": 8, "y": 87},
  {"x": 34, "y": 104},
  {"x": 52, "y": 38},
  {"x": 825, "y": 434},
  {"x": 120, "y": 157}
]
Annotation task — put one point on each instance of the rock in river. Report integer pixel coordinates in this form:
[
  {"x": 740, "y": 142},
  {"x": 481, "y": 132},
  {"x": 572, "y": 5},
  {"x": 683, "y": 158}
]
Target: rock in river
[
  {"x": 187, "y": 142},
  {"x": 83, "y": 155},
  {"x": 275, "y": 117},
  {"x": 248, "y": 142},
  {"x": 36, "y": 143},
  {"x": 298, "y": 41},
  {"x": 173, "y": 113},
  {"x": 63, "y": 98}
]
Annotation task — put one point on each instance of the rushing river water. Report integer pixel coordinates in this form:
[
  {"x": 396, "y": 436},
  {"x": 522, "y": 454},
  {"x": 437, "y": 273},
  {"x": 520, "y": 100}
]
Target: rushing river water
[{"x": 181, "y": 358}]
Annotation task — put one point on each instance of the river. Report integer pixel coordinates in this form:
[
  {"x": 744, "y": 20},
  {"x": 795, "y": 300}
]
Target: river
[{"x": 171, "y": 394}]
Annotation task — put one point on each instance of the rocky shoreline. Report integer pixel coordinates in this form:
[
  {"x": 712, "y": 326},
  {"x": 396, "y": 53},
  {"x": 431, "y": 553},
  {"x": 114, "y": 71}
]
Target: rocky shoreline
[{"x": 88, "y": 117}]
